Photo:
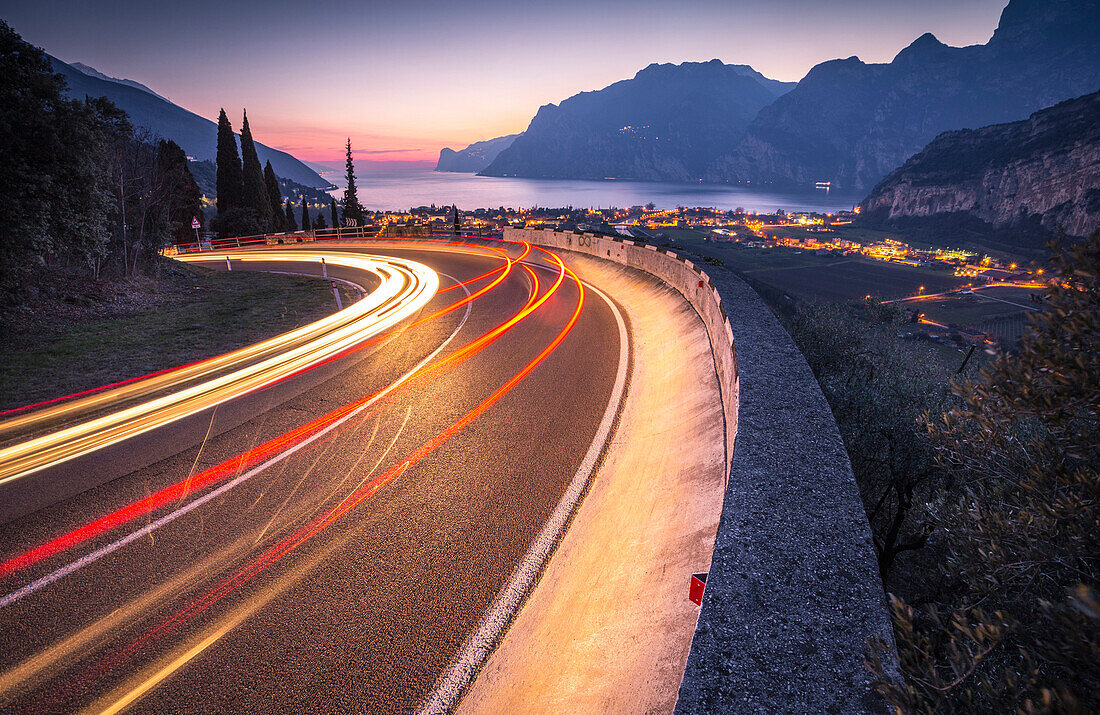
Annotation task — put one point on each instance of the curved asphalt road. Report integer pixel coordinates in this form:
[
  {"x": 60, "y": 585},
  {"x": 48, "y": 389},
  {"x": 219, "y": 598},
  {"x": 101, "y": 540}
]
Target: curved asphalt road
[{"x": 281, "y": 593}]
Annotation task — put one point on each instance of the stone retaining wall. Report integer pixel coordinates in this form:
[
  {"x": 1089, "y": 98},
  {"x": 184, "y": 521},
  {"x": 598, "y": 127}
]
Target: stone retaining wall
[
  {"x": 678, "y": 272},
  {"x": 793, "y": 593}
]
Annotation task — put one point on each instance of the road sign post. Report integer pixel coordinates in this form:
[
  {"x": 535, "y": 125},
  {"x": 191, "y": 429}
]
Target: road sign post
[{"x": 195, "y": 225}]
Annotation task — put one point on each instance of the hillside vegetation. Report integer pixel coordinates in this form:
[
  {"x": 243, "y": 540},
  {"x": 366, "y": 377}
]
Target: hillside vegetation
[
  {"x": 85, "y": 195},
  {"x": 983, "y": 494}
]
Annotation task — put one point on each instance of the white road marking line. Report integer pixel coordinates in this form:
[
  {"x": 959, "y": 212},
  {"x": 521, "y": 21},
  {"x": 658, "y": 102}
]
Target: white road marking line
[
  {"x": 99, "y": 553},
  {"x": 450, "y": 687}
]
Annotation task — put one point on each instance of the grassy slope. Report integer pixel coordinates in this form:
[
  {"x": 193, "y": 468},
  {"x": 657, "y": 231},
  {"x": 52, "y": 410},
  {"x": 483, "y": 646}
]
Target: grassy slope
[{"x": 142, "y": 327}]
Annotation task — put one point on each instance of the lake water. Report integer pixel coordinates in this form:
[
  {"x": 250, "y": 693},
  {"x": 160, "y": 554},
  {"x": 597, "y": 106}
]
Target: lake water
[{"x": 396, "y": 190}]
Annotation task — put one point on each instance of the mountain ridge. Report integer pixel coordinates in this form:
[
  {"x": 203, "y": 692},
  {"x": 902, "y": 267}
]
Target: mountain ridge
[
  {"x": 196, "y": 135},
  {"x": 474, "y": 157},
  {"x": 846, "y": 122},
  {"x": 1035, "y": 175},
  {"x": 639, "y": 128},
  {"x": 93, "y": 72},
  {"x": 851, "y": 122}
]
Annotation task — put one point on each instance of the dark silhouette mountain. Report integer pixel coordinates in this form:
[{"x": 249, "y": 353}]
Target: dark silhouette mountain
[
  {"x": 667, "y": 123},
  {"x": 196, "y": 135},
  {"x": 93, "y": 72},
  {"x": 475, "y": 157},
  {"x": 1034, "y": 176},
  {"x": 850, "y": 122}
]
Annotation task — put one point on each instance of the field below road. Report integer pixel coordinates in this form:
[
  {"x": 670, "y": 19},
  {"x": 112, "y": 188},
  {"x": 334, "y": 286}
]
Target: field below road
[
  {"x": 113, "y": 332},
  {"x": 832, "y": 277},
  {"x": 824, "y": 276},
  {"x": 999, "y": 311},
  {"x": 845, "y": 279}
]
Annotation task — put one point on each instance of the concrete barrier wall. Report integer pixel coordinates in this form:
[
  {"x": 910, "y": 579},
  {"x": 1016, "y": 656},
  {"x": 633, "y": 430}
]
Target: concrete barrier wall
[
  {"x": 676, "y": 271},
  {"x": 793, "y": 593}
]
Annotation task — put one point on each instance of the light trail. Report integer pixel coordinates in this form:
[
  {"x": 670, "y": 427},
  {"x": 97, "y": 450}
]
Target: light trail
[
  {"x": 481, "y": 642},
  {"x": 7, "y": 425},
  {"x": 470, "y": 297},
  {"x": 471, "y": 281},
  {"x": 261, "y": 453},
  {"x": 406, "y": 287},
  {"x": 273, "y": 554},
  {"x": 363, "y": 491},
  {"x": 11, "y": 678}
]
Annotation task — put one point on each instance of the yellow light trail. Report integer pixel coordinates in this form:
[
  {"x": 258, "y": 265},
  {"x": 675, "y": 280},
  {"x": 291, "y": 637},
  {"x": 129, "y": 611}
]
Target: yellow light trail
[{"x": 406, "y": 287}]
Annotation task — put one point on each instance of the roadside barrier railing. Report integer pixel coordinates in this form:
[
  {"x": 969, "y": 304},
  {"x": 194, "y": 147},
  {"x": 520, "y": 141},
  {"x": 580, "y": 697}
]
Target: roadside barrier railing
[{"x": 329, "y": 234}]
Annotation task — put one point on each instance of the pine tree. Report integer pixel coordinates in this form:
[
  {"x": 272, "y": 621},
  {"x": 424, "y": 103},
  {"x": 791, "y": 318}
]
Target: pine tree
[
  {"x": 291, "y": 224},
  {"x": 319, "y": 223},
  {"x": 275, "y": 198},
  {"x": 352, "y": 208},
  {"x": 255, "y": 191},
  {"x": 335, "y": 219},
  {"x": 230, "y": 185},
  {"x": 306, "y": 225}
]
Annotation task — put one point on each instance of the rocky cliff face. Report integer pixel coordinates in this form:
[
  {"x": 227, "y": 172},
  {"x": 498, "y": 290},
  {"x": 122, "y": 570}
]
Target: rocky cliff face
[
  {"x": 475, "y": 157},
  {"x": 667, "y": 123},
  {"x": 1044, "y": 170},
  {"x": 850, "y": 123}
]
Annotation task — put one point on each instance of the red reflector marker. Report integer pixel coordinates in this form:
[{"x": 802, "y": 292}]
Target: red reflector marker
[{"x": 698, "y": 585}]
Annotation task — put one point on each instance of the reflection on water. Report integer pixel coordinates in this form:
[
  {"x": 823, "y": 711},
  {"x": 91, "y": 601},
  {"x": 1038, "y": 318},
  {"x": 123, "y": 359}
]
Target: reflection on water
[{"x": 404, "y": 188}]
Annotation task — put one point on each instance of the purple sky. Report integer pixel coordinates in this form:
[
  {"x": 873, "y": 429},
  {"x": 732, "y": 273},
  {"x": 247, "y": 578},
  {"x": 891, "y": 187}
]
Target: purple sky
[{"x": 404, "y": 78}]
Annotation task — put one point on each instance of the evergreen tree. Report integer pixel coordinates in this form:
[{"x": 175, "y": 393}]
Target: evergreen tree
[
  {"x": 255, "y": 191},
  {"x": 335, "y": 219},
  {"x": 306, "y": 225},
  {"x": 352, "y": 208},
  {"x": 230, "y": 186},
  {"x": 275, "y": 198},
  {"x": 56, "y": 175},
  {"x": 291, "y": 224},
  {"x": 184, "y": 198},
  {"x": 319, "y": 223}
]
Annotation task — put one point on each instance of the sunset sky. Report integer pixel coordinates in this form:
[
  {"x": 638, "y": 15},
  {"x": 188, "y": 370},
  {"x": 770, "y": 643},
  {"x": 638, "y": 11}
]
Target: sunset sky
[{"x": 405, "y": 78}]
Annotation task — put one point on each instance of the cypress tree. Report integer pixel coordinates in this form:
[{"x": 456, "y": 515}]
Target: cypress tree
[
  {"x": 255, "y": 191},
  {"x": 335, "y": 220},
  {"x": 319, "y": 223},
  {"x": 230, "y": 185},
  {"x": 291, "y": 224},
  {"x": 352, "y": 208},
  {"x": 306, "y": 225},
  {"x": 183, "y": 193},
  {"x": 274, "y": 198}
]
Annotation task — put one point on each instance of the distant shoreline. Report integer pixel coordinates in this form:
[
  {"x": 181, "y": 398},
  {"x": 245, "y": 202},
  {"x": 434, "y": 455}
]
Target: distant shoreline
[{"x": 403, "y": 188}]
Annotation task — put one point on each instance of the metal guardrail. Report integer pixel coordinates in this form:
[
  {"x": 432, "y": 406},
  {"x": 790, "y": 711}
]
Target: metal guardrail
[{"x": 329, "y": 234}]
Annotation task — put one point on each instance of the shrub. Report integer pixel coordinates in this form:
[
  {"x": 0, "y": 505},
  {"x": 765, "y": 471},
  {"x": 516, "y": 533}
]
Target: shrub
[{"x": 1020, "y": 629}]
